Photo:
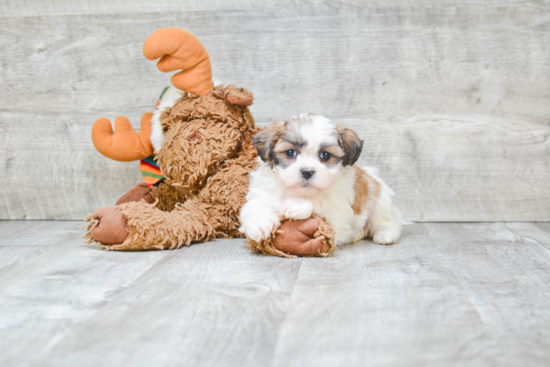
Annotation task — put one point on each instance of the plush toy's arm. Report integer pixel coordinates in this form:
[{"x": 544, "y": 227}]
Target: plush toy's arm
[
  {"x": 307, "y": 237},
  {"x": 124, "y": 144}
]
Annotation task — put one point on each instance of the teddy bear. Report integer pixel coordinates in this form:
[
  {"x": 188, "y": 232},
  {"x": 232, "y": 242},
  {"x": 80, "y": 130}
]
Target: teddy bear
[{"x": 197, "y": 152}]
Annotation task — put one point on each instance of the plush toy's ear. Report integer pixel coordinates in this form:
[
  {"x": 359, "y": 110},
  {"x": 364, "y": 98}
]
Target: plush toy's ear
[
  {"x": 239, "y": 96},
  {"x": 179, "y": 49},
  {"x": 265, "y": 140},
  {"x": 351, "y": 144}
]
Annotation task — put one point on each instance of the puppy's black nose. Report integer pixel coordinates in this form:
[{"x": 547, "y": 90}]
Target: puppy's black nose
[{"x": 307, "y": 173}]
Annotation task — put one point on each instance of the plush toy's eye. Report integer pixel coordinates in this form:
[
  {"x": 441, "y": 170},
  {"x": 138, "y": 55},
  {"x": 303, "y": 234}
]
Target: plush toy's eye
[
  {"x": 325, "y": 156},
  {"x": 291, "y": 153}
]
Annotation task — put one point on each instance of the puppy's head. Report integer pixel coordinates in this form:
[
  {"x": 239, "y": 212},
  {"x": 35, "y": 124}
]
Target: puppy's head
[{"x": 307, "y": 151}]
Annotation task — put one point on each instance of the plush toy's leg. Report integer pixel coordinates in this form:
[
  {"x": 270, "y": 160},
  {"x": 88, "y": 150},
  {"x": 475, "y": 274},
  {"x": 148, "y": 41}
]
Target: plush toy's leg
[
  {"x": 167, "y": 196},
  {"x": 107, "y": 226},
  {"x": 308, "y": 237},
  {"x": 149, "y": 228},
  {"x": 138, "y": 192}
]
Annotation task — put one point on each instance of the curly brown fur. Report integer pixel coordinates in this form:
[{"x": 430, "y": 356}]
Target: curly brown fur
[
  {"x": 167, "y": 196},
  {"x": 210, "y": 107},
  {"x": 206, "y": 179},
  {"x": 222, "y": 129},
  {"x": 90, "y": 223}
]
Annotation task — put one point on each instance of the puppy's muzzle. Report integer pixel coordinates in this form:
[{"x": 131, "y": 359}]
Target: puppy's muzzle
[{"x": 307, "y": 173}]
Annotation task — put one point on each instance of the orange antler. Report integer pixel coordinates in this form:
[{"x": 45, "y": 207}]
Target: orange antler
[
  {"x": 179, "y": 49},
  {"x": 124, "y": 144}
]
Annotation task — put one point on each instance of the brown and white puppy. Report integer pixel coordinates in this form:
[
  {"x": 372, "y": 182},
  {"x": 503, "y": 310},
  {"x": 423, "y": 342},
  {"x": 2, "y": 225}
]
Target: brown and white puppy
[{"x": 307, "y": 166}]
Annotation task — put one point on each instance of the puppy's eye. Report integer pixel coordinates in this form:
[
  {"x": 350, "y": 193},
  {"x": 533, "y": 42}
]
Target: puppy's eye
[
  {"x": 291, "y": 153},
  {"x": 325, "y": 156}
]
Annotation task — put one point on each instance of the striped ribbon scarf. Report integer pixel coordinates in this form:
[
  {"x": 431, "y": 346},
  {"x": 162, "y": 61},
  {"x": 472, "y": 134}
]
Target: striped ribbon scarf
[{"x": 149, "y": 167}]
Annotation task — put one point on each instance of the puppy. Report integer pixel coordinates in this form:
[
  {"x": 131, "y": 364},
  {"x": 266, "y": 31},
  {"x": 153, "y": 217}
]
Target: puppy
[{"x": 307, "y": 166}]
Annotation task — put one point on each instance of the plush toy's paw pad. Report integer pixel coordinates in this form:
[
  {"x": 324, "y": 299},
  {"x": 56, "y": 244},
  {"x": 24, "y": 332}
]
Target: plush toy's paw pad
[
  {"x": 138, "y": 192},
  {"x": 296, "y": 237},
  {"x": 111, "y": 226}
]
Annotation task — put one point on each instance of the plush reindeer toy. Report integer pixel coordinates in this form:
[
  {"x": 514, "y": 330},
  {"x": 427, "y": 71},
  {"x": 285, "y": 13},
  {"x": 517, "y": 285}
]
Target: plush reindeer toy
[{"x": 200, "y": 136}]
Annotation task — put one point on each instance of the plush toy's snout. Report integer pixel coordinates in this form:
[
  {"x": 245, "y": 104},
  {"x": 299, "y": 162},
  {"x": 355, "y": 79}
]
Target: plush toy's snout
[{"x": 195, "y": 138}]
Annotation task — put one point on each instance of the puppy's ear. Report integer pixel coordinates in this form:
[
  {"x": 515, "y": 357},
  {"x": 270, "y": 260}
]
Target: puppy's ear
[
  {"x": 265, "y": 140},
  {"x": 351, "y": 144}
]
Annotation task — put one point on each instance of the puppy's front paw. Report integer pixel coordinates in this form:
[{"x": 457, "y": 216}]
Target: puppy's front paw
[
  {"x": 386, "y": 236},
  {"x": 296, "y": 209},
  {"x": 260, "y": 228}
]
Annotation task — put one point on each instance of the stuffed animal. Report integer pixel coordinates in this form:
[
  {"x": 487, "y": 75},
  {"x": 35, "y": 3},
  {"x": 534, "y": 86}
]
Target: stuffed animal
[{"x": 197, "y": 153}]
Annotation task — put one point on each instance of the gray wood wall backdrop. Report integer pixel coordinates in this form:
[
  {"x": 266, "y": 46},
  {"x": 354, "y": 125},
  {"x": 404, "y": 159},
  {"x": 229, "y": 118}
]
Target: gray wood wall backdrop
[{"x": 452, "y": 98}]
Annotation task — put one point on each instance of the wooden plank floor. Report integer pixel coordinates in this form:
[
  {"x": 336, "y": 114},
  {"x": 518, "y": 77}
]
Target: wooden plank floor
[{"x": 448, "y": 294}]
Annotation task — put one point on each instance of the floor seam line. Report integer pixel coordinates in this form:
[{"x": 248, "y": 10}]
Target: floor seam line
[{"x": 278, "y": 342}]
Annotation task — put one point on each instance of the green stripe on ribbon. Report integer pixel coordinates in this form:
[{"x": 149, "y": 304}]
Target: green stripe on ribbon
[{"x": 149, "y": 174}]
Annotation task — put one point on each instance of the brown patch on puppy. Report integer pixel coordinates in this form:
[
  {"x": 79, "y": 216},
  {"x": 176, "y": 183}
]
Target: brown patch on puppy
[
  {"x": 336, "y": 154},
  {"x": 361, "y": 188},
  {"x": 280, "y": 150},
  {"x": 283, "y": 146},
  {"x": 265, "y": 140},
  {"x": 374, "y": 188},
  {"x": 334, "y": 150},
  {"x": 351, "y": 144}
]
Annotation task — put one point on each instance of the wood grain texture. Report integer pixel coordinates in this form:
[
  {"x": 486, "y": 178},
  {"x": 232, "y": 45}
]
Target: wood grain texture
[
  {"x": 447, "y": 294},
  {"x": 473, "y": 168},
  {"x": 372, "y": 305},
  {"x": 344, "y": 63},
  {"x": 544, "y": 226},
  {"x": 211, "y": 304},
  {"x": 200, "y": 305},
  {"x": 495, "y": 262},
  {"x": 443, "y": 169},
  {"x": 50, "y": 282},
  {"x": 25, "y": 8},
  {"x": 461, "y": 90}
]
